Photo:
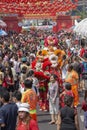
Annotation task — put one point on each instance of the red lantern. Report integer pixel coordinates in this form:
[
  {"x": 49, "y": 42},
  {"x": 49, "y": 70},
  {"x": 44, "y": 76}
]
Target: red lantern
[
  {"x": 75, "y": 0},
  {"x": 17, "y": 1},
  {"x": 67, "y": 1}
]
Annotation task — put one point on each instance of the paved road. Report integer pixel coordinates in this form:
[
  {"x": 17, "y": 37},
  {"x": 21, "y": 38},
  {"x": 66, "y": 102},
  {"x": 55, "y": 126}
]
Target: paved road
[{"x": 44, "y": 119}]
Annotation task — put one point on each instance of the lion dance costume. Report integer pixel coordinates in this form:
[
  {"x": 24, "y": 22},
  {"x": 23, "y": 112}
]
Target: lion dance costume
[{"x": 48, "y": 61}]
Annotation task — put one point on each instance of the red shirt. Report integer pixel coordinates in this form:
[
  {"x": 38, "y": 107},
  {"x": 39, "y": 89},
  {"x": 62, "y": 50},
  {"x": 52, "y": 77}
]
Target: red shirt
[
  {"x": 84, "y": 106},
  {"x": 82, "y": 51},
  {"x": 69, "y": 93},
  {"x": 6, "y": 81},
  {"x": 31, "y": 126},
  {"x": 69, "y": 53}
]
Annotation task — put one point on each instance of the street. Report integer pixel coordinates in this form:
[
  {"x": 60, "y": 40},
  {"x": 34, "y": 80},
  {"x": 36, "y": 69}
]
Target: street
[{"x": 44, "y": 119}]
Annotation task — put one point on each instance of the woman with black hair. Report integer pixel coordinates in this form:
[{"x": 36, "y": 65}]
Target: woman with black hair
[
  {"x": 53, "y": 97},
  {"x": 67, "y": 117},
  {"x": 8, "y": 80}
]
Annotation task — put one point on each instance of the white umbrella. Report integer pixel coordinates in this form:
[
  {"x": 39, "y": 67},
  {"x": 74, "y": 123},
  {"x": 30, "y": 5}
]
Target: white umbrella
[
  {"x": 2, "y": 23},
  {"x": 81, "y": 28}
]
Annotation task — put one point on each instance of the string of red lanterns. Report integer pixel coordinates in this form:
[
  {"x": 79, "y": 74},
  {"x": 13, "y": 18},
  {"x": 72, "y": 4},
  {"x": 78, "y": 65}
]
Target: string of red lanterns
[
  {"x": 36, "y": 7},
  {"x": 33, "y": 1}
]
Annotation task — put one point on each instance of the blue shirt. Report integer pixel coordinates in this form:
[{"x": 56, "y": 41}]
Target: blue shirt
[
  {"x": 8, "y": 116},
  {"x": 84, "y": 66}
]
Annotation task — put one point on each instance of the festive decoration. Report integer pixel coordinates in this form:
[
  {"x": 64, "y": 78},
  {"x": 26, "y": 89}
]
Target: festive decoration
[
  {"x": 47, "y": 62},
  {"x": 35, "y": 8}
]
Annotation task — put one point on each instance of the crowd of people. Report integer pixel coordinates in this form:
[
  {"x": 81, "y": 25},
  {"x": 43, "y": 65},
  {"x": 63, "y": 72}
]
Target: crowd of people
[{"x": 20, "y": 88}]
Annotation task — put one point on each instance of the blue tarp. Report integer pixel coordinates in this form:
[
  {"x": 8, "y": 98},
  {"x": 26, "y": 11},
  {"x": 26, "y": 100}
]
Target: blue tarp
[{"x": 3, "y": 33}]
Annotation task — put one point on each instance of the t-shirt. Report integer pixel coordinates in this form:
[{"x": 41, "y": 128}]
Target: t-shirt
[
  {"x": 32, "y": 126},
  {"x": 30, "y": 97},
  {"x": 68, "y": 42},
  {"x": 16, "y": 66},
  {"x": 8, "y": 116},
  {"x": 84, "y": 66},
  {"x": 69, "y": 93},
  {"x": 68, "y": 118},
  {"x": 82, "y": 51}
]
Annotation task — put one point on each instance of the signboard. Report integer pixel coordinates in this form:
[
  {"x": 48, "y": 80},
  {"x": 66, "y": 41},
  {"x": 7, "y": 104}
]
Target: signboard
[{"x": 47, "y": 27}]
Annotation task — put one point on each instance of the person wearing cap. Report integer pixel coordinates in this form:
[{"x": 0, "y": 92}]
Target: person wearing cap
[
  {"x": 24, "y": 64},
  {"x": 25, "y": 122}
]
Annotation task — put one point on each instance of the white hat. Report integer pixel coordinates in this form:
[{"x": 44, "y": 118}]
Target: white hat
[{"x": 24, "y": 107}]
